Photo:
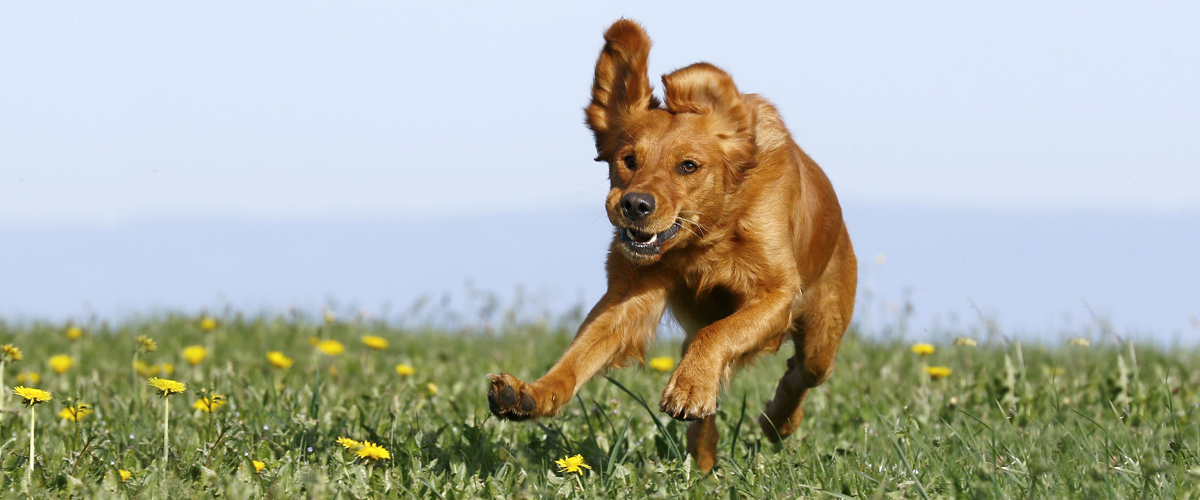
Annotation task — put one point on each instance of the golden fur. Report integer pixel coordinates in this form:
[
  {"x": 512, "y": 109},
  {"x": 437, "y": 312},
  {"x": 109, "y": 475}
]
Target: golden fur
[{"x": 720, "y": 217}]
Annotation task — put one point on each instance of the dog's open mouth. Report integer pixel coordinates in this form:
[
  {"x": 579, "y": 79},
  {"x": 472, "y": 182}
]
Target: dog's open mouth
[{"x": 647, "y": 243}]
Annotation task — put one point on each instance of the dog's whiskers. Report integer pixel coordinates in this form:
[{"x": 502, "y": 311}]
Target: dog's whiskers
[
  {"x": 690, "y": 230},
  {"x": 702, "y": 229},
  {"x": 695, "y": 221}
]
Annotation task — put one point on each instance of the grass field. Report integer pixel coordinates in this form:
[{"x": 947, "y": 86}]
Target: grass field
[{"x": 1109, "y": 420}]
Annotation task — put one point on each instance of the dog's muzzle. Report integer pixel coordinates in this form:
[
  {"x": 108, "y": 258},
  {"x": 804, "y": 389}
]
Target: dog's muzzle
[{"x": 646, "y": 243}]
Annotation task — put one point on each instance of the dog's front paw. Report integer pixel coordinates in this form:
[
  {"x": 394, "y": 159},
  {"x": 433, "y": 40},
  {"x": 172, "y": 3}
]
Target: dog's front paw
[
  {"x": 511, "y": 399},
  {"x": 690, "y": 394}
]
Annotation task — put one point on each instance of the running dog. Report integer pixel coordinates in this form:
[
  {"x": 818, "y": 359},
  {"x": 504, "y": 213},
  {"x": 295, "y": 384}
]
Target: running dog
[{"x": 720, "y": 217}]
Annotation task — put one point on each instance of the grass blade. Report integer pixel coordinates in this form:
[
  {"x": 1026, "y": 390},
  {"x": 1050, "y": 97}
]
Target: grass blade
[{"x": 662, "y": 430}]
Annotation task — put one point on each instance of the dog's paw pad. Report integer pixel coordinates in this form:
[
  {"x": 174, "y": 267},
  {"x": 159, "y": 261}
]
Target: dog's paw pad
[
  {"x": 508, "y": 400},
  {"x": 508, "y": 397},
  {"x": 528, "y": 404}
]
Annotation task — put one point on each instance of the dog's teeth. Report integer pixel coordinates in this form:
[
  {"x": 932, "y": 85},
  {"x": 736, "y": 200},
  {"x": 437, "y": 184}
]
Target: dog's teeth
[
  {"x": 653, "y": 239},
  {"x": 628, "y": 233}
]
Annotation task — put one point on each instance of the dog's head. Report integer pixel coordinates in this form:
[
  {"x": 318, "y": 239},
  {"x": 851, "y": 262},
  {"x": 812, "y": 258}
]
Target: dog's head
[{"x": 670, "y": 167}]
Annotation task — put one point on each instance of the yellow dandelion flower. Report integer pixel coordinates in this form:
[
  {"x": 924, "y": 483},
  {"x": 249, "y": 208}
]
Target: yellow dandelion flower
[
  {"x": 1075, "y": 341},
  {"x": 146, "y": 343},
  {"x": 937, "y": 372},
  {"x": 145, "y": 369},
  {"x": 923, "y": 349},
  {"x": 167, "y": 368},
  {"x": 572, "y": 464},
  {"x": 372, "y": 451},
  {"x": 74, "y": 333},
  {"x": 331, "y": 347},
  {"x": 209, "y": 405},
  {"x": 195, "y": 354},
  {"x": 662, "y": 363},
  {"x": 349, "y": 444},
  {"x": 258, "y": 466},
  {"x": 966, "y": 341},
  {"x": 31, "y": 396},
  {"x": 167, "y": 387},
  {"x": 75, "y": 413},
  {"x": 377, "y": 343},
  {"x": 60, "y": 363},
  {"x": 125, "y": 475},
  {"x": 10, "y": 353},
  {"x": 279, "y": 360},
  {"x": 313, "y": 341},
  {"x": 31, "y": 378},
  {"x": 432, "y": 388},
  {"x": 405, "y": 370},
  {"x": 208, "y": 324}
]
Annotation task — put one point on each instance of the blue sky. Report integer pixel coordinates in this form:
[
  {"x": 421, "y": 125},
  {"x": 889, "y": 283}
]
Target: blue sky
[{"x": 122, "y": 117}]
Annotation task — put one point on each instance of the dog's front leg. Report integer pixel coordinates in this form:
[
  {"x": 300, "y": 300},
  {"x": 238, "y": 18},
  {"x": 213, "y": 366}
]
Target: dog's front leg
[
  {"x": 615, "y": 331},
  {"x": 691, "y": 393}
]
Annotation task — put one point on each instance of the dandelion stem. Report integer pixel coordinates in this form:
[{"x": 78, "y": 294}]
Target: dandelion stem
[
  {"x": 166, "y": 428},
  {"x": 32, "y": 425}
]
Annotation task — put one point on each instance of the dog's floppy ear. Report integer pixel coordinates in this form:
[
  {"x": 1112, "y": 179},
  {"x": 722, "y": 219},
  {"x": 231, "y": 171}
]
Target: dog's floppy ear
[
  {"x": 622, "y": 85},
  {"x": 706, "y": 89}
]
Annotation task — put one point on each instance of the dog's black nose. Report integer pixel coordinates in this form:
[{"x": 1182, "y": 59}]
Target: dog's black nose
[{"x": 636, "y": 206}]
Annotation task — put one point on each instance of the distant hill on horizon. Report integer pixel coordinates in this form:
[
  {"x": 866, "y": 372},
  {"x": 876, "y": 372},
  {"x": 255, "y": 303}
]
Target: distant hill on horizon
[{"x": 1037, "y": 273}]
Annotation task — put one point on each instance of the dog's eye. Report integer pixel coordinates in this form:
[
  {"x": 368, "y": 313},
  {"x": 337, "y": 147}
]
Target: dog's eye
[
  {"x": 688, "y": 167},
  {"x": 630, "y": 162}
]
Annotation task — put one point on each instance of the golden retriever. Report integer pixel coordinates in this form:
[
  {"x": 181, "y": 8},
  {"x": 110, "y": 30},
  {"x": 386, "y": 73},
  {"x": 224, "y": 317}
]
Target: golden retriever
[{"x": 720, "y": 217}]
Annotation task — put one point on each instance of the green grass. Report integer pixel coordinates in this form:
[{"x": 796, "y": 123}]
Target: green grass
[{"x": 1012, "y": 421}]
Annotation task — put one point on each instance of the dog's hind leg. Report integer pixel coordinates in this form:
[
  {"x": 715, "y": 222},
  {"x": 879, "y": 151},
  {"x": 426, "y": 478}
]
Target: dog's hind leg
[
  {"x": 702, "y": 442},
  {"x": 693, "y": 315},
  {"x": 816, "y": 346},
  {"x": 819, "y": 331},
  {"x": 783, "y": 414}
]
